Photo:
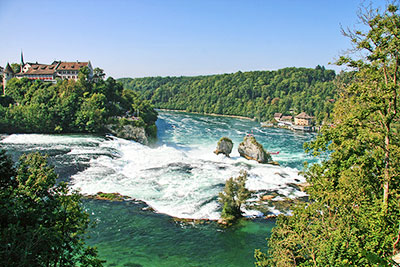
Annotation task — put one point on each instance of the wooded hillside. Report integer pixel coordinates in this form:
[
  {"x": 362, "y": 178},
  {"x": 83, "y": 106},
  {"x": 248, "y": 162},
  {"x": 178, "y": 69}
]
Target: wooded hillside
[{"x": 256, "y": 94}]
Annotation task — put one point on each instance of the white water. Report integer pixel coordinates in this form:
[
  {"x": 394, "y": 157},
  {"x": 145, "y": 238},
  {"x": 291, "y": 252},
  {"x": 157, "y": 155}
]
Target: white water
[
  {"x": 181, "y": 177},
  {"x": 179, "y": 183}
]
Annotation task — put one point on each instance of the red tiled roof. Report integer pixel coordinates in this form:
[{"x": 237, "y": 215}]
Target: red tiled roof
[
  {"x": 286, "y": 118},
  {"x": 44, "y": 69},
  {"x": 303, "y": 115},
  {"x": 37, "y": 69},
  {"x": 71, "y": 65}
]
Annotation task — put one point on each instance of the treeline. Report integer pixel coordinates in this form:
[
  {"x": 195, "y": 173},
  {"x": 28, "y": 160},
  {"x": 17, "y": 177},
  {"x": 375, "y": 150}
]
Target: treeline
[
  {"x": 69, "y": 106},
  {"x": 257, "y": 94}
]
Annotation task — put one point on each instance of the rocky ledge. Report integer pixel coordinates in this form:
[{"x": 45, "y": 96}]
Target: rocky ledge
[
  {"x": 108, "y": 196},
  {"x": 224, "y": 146},
  {"x": 129, "y": 132},
  {"x": 252, "y": 150}
]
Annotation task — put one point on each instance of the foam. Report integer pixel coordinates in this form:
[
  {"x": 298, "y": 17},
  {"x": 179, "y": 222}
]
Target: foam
[
  {"x": 49, "y": 139},
  {"x": 177, "y": 182}
]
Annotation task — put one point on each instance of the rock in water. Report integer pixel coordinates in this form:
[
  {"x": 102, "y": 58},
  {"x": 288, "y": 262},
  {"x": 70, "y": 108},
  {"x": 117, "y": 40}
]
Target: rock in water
[
  {"x": 251, "y": 149},
  {"x": 224, "y": 146},
  {"x": 129, "y": 132},
  {"x": 137, "y": 134}
]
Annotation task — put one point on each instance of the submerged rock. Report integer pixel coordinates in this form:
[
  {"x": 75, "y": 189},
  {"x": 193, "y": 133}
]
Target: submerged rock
[
  {"x": 108, "y": 196},
  {"x": 224, "y": 146},
  {"x": 300, "y": 186},
  {"x": 267, "y": 197},
  {"x": 252, "y": 150}
]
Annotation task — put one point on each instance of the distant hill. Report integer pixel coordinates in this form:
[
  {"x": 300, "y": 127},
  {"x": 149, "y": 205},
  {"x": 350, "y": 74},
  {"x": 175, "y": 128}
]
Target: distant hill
[{"x": 257, "y": 94}]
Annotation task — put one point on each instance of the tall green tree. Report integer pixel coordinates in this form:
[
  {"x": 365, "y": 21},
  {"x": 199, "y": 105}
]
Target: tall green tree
[
  {"x": 353, "y": 217},
  {"x": 42, "y": 223},
  {"x": 235, "y": 194}
]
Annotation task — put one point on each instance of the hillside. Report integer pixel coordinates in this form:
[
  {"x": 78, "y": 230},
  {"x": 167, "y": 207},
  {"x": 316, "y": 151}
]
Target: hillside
[{"x": 256, "y": 94}]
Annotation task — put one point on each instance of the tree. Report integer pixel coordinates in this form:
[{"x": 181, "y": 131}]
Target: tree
[
  {"x": 378, "y": 80},
  {"x": 98, "y": 73},
  {"x": 83, "y": 74},
  {"x": 353, "y": 216},
  {"x": 16, "y": 67},
  {"x": 42, "y": 223},
  {"x": 91, "y": 116},
  {"x": 233, "y": 197}
]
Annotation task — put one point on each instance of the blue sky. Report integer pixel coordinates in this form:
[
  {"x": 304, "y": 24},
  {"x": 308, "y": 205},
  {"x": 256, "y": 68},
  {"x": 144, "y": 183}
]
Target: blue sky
[{"x": 140, "y": 38}]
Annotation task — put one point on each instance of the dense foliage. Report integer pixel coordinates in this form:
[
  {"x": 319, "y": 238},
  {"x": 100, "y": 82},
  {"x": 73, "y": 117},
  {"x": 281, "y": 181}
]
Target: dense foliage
[
  {"x": 256, "y": 94},
  {"x": 233, "y": 197},
  {"x": 41, "y": 223},
  {"x": 353, "y": 218},
  {"x": 70, "y": 106}
]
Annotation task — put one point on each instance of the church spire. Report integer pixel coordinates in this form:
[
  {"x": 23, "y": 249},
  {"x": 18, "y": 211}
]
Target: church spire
[{"x": 22, "y": 60}]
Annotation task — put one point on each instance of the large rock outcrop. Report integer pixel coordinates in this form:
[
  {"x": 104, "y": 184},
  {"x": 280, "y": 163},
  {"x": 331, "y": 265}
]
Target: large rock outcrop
[
  {"x": 224, "y": 146},
  {"x": 251, "y": 149},
  {"x": 130, "y": 132}
]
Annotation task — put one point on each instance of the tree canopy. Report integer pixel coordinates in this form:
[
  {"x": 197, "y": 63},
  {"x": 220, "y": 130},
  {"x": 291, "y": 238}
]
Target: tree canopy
[
  {"x": 353, "y": 216},
  {"x": 70, "y": 106}
]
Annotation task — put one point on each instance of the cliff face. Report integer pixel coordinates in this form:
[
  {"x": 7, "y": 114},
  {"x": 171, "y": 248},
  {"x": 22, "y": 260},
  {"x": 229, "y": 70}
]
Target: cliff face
[
  {"x": 130, "y": 132},
  {"x": 252, "y": 150}
]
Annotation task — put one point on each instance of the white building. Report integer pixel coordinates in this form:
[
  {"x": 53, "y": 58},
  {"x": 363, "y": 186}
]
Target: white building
[
  {"x": 57, "y": 69},
  {"x": 46, "y": 72}
]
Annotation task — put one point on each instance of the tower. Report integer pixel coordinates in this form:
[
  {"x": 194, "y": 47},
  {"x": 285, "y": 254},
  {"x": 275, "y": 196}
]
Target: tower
[
  {"x": 22, "y": 61},
  {"x": 7, "y": 75}
]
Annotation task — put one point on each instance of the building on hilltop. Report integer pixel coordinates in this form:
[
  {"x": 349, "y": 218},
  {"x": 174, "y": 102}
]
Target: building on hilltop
[
  {"x": 36, "y": 71},
  {"x": 57, "y": 69},
  {"x": 46, "y": 72}
]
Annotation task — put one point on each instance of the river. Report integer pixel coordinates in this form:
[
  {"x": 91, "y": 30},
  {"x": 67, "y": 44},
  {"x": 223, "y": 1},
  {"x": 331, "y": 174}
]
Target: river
[{"x": 179, "y": 177}]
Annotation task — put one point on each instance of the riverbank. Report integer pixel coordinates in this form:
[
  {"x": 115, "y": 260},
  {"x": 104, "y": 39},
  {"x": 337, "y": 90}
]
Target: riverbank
[
  {"x": 208, "y": 114},
  {"x": 291, "y": 126}
]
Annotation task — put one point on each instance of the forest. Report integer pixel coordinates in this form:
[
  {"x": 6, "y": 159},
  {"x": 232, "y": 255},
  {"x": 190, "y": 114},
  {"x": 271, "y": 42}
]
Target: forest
[
  {"x": 255, "y": 94},
  {"x": 69, "y": 106}
]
